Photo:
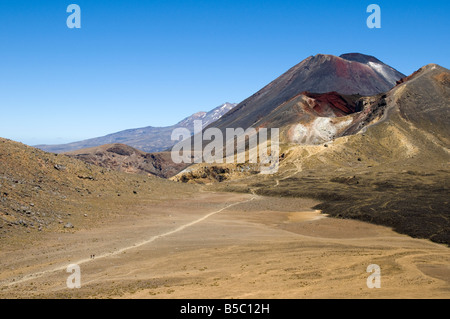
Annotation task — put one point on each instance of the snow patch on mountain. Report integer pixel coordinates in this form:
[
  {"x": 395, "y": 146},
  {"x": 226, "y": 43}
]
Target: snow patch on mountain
[
  {"x": 384, "y": 71},
  {"x": 207, "y": 117}
]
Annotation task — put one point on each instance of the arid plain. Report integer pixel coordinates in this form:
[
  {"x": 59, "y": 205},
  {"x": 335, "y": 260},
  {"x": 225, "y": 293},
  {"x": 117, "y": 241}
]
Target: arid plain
[
  {"x": 376, "y": 193},
  {"x": 223, "y": 245}
]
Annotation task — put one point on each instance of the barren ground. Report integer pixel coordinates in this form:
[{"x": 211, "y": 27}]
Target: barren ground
[{"x": 226, "y": 245}]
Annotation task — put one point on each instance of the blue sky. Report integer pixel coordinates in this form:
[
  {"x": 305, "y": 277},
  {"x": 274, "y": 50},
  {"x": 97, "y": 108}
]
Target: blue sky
[{"x": 141, "y": 63}]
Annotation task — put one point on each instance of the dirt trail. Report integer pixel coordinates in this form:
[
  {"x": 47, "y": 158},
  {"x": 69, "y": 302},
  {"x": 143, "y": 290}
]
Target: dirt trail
[
  {"x": 224, "y": 245},
  {"x": 124, "y": 249}
]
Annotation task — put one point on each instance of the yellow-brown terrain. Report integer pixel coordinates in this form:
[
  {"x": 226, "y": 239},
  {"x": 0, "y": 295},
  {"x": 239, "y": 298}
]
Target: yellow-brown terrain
[{"x": 375, "y": 194}]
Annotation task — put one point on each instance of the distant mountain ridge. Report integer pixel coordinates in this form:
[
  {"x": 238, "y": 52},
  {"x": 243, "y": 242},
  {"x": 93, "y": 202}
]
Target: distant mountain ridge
[
  {"x": 147, "y": 139},
  {"x": 124, "y": 158}
]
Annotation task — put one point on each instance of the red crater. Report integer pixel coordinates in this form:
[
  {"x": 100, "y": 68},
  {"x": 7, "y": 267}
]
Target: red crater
[{"x": 341, "y": 105}]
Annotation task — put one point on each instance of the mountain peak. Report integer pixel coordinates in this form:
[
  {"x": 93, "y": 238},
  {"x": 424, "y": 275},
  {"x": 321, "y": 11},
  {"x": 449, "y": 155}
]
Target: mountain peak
[
  {"x": 206, "y": 117},
  {"x": 352, "y": 73},
  {"x": 359, "y": 57}
]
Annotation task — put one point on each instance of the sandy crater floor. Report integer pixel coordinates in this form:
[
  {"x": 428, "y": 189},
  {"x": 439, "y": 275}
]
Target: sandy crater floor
[{"x": 225, "y": 245}]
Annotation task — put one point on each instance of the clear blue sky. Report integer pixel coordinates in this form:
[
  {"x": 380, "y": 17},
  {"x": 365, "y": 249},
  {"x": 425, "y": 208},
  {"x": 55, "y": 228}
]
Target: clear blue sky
[{"x": 136, "y": 63}]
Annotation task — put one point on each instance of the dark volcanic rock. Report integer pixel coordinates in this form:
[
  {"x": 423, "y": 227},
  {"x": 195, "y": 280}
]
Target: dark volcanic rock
[{"x": 127, "y": 159}]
